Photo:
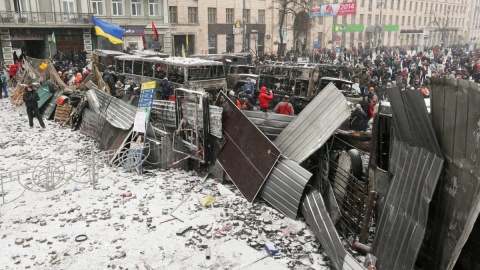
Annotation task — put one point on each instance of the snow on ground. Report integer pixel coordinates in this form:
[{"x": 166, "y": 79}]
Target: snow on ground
[{"x": 123, "y": 217}]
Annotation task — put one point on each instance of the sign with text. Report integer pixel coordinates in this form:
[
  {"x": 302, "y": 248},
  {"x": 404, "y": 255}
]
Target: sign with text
[
  {"x": 145, "y": 101},
  {"x": 328, "y": 10}
]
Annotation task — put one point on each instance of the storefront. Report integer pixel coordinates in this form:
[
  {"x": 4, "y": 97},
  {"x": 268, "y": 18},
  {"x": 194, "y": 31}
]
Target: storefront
[{"x": 228, "y": 38}]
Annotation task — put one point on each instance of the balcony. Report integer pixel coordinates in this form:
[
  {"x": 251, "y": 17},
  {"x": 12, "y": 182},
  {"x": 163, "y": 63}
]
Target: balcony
[{"x": 40, "y": 19}]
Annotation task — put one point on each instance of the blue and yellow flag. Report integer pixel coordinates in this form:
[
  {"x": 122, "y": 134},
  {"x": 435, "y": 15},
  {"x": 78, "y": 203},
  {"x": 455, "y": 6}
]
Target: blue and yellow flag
[
  {"x": 114, "y": 33},
  {"x": 53, "y": 37},
  {"x": 184, "y": 53}
]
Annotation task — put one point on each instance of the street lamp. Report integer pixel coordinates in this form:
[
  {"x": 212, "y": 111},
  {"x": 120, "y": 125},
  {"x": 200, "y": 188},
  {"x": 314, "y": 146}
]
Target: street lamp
[{"x": 379, "y": 26}]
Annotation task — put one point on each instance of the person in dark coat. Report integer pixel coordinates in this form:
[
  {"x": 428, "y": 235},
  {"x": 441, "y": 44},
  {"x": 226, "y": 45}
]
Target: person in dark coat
[
  {"x": 15, "y": 57},
  {"x": 31, "y": 98},
  {"x": 108, "y": 79},
  {"x": 358, "y": 119},
  {"x": 166, "y": 89},
  {"x": 365, "y": 105}
]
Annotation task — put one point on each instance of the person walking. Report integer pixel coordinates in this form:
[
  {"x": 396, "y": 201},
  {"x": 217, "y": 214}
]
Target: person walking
[
  {"x": 31, "y": 98},
  {"x": 3, "y": 84},
  {"x": 284, "y": 107},
  {"x": 264, "y": 99}
]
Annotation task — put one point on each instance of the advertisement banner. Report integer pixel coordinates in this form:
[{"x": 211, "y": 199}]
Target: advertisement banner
[
  {"x": 145, "y": 102},
  {"x": 348, "y": 28},
  {"x": 334, "y": 9}
]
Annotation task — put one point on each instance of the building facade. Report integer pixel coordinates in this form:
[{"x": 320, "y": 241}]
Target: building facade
[
  {"x": 404, "y": 23},
  {"x": 30, "y": 24},
  {"x": 208, "y": 26}
]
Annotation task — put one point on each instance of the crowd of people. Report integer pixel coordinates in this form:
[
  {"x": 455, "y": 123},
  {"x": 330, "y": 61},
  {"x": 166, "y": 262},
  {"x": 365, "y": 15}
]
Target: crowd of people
[{"x": 373, "y": 70}]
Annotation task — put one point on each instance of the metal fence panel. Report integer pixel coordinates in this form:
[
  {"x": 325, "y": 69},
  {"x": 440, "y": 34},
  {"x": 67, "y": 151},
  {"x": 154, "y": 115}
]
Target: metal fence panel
[
  {"x": 314, "y": 125},
  {"x": 415, "y": 164},
  {"x": 455, "y": 114}
]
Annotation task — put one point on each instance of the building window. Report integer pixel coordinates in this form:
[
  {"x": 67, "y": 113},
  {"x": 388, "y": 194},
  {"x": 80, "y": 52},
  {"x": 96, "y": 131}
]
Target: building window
[
  {"x": 261, "y": 16},
  {"x": 391, "y": 5},
  {"x": 410, "y": 8},
  {"x": 354, "y": 19},
  {"x": 229, "y": 16},
  {"x": 173, "y": 14},
  {"x": 361, "y": 19},
  {"x": 370, "y": 4},
  {"x": 397, "y": 20},
  {"x": 425, "y": 21},
  {"x": 421, "y": 7},
  {"x": 390, "y": 19},
  {"x": 398, "y": 5},
  {"x": 68, "y": 6},
  {"x": 246, "y": 16},
  {"x": 230, "y": 44},
  {"x": 117, "y": 7},
  {"x": 369, "y": 19},
  {"x": 19, "y": 5},
  {"x": 403, "y": 20},
  {"x": 192, "y": 15},
  {"x": 153, "y": 7},
  {"x": 320, "y": 20},
  {"x": 344, "y": 19},
  {"x": 212, "y": 15},
  {"x": 97, "y": 7},
  {"x": 136, "y": 7},
  {"x": 414, "y": 20},
  {"x": 416, "y": 6},
  {"x": 376, "y": 19},
  {"x": 408, "y": 20}
]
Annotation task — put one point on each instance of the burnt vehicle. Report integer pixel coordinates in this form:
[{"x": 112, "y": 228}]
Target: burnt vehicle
[
  {"x": 104, "y": 58},
  {"x": 238, "y": 75},
  {"x": 187, "y": 73},
  {"x": 301, "y": 81}
]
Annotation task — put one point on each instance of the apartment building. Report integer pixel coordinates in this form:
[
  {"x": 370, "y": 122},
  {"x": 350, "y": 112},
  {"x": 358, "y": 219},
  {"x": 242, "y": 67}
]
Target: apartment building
[
  {"x": 31, "y": 23},
  {"x": 406, "y": 23}
]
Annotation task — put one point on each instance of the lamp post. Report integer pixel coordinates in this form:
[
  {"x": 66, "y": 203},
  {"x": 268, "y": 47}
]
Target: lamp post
[{"x": 379, "y": 26}]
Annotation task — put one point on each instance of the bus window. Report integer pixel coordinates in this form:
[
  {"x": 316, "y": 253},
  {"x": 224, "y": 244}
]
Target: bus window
[
  {"x": 137, "y": 67},
  {"x": 148, "y": 69},
  {"x": 160, "y": 71},
  {"x": 128, "y": 66},
  {"x": 119, "y": 66}
]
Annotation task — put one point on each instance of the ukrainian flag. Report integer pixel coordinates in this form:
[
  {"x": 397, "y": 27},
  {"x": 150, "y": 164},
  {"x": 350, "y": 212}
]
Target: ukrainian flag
[{"x": 114, "y": 33}]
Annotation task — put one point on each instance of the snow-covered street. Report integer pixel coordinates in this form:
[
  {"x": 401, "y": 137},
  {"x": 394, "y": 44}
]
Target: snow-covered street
[{"x": 127, "y": 222}]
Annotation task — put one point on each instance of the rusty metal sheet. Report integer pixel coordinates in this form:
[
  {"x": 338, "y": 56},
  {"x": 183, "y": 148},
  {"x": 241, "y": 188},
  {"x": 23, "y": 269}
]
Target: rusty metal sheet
[
  {"x": 271, "y": 124},
  {"x": 317, "y": 218},
  {"x": 415, "y": 164},
  {"x": 455, "y": 114},
  {"x": 284, "y": 186},
  {"x": 314, "y": 125},
  {"x": 248, "y": 156},
  {"x": 91, "y": 124}
]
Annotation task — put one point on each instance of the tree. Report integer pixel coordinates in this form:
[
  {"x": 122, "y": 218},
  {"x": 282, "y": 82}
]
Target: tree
[{"x": 292, "y": 8}]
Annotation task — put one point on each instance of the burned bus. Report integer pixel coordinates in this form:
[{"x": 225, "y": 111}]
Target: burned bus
[
  {"x": 188, "y": 73},
  {"x": 104, "y": 58},
  {"x": 301, "y": 81}
]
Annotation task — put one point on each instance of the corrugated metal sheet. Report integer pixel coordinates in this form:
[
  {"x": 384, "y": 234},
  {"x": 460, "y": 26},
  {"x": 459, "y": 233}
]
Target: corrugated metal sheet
[
  {"x": 415, "y": 163},
  {"x": 455, "y": 114},
  {"x": 121, "y": 114},
  {"x": 314, "y": 125},
  {"x": 248, "y": 156},
  {"x": 117, "y": 112},
  {"x": 284, "y": 186},
  {"x": 316, "y": 215},
  {"x": 271, "y": 124}
]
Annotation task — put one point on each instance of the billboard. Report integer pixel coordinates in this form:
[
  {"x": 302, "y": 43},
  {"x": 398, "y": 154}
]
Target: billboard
[{"x": 334, "y": 9}]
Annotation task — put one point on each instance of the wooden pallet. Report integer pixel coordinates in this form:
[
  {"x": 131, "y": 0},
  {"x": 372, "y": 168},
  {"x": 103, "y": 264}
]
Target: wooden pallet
[{"x": 62, "y": 113}]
